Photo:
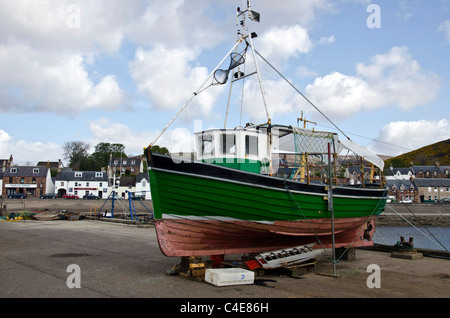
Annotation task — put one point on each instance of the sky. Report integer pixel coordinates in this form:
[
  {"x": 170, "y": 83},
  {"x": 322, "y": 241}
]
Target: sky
[{"x": 118, "y": 71}]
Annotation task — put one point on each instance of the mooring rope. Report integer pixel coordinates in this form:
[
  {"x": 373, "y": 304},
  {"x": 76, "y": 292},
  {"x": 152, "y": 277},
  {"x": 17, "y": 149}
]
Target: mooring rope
[{"x": 415, "y": 227}]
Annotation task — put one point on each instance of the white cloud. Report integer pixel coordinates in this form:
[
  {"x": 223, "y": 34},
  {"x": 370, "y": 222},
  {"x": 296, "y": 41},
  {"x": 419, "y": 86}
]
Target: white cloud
[
  {"x": 43, "y": 56},
  {"x": 170, "y": 76},
  {"x": 303, "y": 71},
  {"x": 400, "y": 79},
  {"x": 291, "y": 11},
  {"x": 104, "y": 130},
  {"x": 340, "y": 95},
  {"x": 25, "y": 152},
  {"x": 444, "y": 28},
  {"x": 35, "y": 80},
  {"x": 280, "y": 98},
  {"x": 280, "y": 43},
  {"x": 49, "y": 25},
  {"x": 176, "y": 23},
  {"x": 326, "y": 40},
  {"x": 5, "y": 140},
  {"x": 411, "y": 135},
  {"x": 46, "y": 55},
  {"x": 392, "y": 79}
]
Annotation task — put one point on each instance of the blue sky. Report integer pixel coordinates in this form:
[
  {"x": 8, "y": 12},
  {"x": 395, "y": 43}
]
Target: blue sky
[{"x": 117, "y": 71}]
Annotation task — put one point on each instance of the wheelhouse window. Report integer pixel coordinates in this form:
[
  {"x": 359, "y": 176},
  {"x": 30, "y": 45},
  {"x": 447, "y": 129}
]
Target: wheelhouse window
[
  {"x": 207, "y": 145},
  {"x": 251, "y": 145},
  {"x": 228, "y": 144}
]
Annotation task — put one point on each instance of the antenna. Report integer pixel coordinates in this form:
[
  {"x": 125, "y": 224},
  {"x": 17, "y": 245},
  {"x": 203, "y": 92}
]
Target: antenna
[{"x": 252, "y": 15}]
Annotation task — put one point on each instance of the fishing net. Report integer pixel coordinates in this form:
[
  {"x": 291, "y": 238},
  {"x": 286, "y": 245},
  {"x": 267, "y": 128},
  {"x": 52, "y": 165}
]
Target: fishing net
[
  {"x": 311, "y": 154},
  {"x": 221, "y": 76}
]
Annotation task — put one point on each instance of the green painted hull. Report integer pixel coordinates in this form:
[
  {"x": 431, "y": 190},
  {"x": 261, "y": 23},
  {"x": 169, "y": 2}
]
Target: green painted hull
[{"x": 197, "y": 196}]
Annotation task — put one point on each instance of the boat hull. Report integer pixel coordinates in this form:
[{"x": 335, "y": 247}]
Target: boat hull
[
  {"x": 205, "y": 209},
  {"x": 209, "y": 237}
]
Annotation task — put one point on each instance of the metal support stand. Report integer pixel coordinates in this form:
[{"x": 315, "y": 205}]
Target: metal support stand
[
  {"x": 330, "y": 208},
  {"x": 112, "y": 195},
  {"x": 132, "y": 208}
]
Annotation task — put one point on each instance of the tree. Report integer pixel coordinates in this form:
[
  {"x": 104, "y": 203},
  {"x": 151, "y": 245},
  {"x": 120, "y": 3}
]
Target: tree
[
  {"x": 103, "y": 151},
  {"x": 160, "y": 150},
  {"x": 77, "y": 154}
]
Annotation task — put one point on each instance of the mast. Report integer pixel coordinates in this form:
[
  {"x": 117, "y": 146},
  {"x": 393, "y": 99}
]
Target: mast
[
  {"x": 198, "y": 91},
  {"x": 240, "y": 20}
]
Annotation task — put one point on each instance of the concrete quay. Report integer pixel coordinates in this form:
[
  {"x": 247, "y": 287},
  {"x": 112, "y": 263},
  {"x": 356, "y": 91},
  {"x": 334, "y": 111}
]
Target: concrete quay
[
  {"x": 124, "y": 261},
  {"x": 429, "y": 214}
]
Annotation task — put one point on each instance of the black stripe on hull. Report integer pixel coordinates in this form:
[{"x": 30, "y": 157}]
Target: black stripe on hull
[{"x": 233, "y": 175}]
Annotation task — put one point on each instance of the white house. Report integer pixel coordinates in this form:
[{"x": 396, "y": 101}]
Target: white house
[
  {"x": 143, "y": 186},
  {"x": 139, "y": 186},
  {"x": 399, "y": 174},
  {"x": 122, "y": 185},
  {"x": 1, "y": 182},
  {"x": 81, "y": 183}
]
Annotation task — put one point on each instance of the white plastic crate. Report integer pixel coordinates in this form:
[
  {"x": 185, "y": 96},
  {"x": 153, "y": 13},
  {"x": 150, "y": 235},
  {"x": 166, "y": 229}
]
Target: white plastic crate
[{"x": 229, "y": 276}]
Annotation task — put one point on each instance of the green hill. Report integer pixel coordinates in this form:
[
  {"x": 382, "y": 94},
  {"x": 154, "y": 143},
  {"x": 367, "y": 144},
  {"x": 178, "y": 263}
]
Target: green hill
[{"x": 425, "y": 156}]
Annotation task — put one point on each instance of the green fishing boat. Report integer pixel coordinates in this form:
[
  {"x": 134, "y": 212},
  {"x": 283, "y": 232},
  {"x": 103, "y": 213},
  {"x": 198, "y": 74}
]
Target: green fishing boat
[{"x": 262, "y": 187}]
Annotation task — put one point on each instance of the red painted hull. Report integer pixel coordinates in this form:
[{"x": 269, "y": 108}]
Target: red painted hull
[{"x": 181, "y": 237}]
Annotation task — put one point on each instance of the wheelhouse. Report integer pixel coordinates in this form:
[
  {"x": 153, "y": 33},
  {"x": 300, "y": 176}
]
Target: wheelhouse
[{"x": 240, "y": 148}]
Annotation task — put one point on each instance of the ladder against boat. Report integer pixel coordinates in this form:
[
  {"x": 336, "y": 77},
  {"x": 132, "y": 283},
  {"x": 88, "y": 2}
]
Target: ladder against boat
[{"x": 287, "y": 256}]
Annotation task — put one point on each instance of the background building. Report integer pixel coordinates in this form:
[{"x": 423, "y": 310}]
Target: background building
[
  {"x": 31, "y": 181},
  {"x": 81, "y": 183}
]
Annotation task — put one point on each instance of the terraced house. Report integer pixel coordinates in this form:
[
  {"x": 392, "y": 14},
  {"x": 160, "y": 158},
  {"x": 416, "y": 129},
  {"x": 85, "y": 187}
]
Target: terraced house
[
  {"x": 433, "y": 189},
  {"x": 27, "y": 181}
]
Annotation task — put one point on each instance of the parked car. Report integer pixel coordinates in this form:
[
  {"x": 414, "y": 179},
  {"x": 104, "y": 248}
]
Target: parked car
[
  {"x": 17, "y": 196},
  {"x": 70, "y": 196},
  {"x": 90, "y": 197},
  {"x": 49, "y": 196},
  {"x": 406, "y": 201}
]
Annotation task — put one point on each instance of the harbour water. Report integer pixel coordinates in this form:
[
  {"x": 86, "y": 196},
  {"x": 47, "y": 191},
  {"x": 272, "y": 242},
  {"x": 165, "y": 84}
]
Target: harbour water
[{"x": 430, "y": 237}]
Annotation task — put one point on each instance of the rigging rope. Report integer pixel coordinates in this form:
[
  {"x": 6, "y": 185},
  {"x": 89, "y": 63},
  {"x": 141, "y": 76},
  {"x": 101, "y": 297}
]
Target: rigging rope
[
  {"x": 298, "y": 91},
  {"x": 199, "y": 90},
  {"x": 425, "y": 226}
]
